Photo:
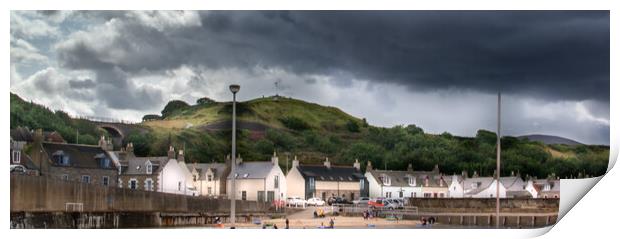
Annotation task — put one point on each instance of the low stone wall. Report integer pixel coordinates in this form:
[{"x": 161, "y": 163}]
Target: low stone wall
[
  {"x": 42, "y": 194},
  {"x": 480, "y": 205}
]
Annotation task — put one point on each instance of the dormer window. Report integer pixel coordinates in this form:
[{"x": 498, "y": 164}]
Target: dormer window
[
  {"x": 474, "y": 185},
  {"x": 104, "y": 162},
  {"x": 16, "y": 156},
  {"x": 149, "y": 167},
  {"x": 209, "y": 177},
  {"x": 426, "y": 180},
  {"x": 60, "y": 158},
  {"x": 386, "y": 180},
  {"x": 547, "y": 187},
  {"x": 412, "y": 181}
]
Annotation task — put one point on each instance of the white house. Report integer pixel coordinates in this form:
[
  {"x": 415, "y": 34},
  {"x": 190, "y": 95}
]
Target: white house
[
  {"x": 175, "y": 177},
  {"x": 485, "y": 187},
  {"x": 210, "y": 178},
  {"x": 326, "y": 181},
  {"x": 258, "y": 181},
  {"x": 394, "y": 184},
  {"x": 543, "y": 188}
]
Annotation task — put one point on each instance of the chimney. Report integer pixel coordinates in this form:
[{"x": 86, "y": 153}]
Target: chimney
[
  {"x": 274, "y": 158},
  {"x": 464, "y": 174},
  {"x": 295, "y": 162},
  {"x": 38, "y": 136},
  {"x": 436, "y": 169},
  {"x": 239, "y": 160},
  {"x": 512, "y": 173},
  {"x": 181, "y": 157},
  {"x": 102, "y": 142},
  {"x": 171, "y": 153},
  {"x": 356, "y": 164},
  {"x": 129, "y": 147},
  {"x": 475, "y": 174},
  {"x": 327, "y": 163},
  {"x": 441, "y": 181},
  {"x": 368, "y": 166},
  {"x": 410, "y": 168},
  {"x": 228, "y": 160}
]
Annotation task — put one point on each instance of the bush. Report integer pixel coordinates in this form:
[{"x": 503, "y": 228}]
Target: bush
[
  {"x": 294, "y": 123},
  {"x": 151, "y": 117},
  {"x": 173, "y": 106},
  {"x": 352, "y": 126}
]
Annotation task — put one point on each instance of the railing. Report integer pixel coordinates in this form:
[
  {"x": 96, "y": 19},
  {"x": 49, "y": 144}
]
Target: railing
[
  {"x": 74, "y": 207},
  {"x": 349, "y": 208}
]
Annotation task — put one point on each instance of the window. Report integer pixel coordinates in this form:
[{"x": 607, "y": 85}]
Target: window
[
  {"x": 311, "y": 183},
  {"x": 260, "y": 195},
  {"x": 60, "y": 158},
  {"x": 385, "y": 180},
  {"x": 133, "y": 183},
  {"x": 362, "y": 184},
  {"x": 65, "y": 177},
  {"x": 179, "y": 187},
  {"x": 388, "y": 194},
  {"x": 149, "y": 167},
  {"x": 209, "y": 191},
  {"x": 400, "y": 194},
  {"x": 16, "y": 156},
  {"x": 276, "y": 181},
  {"x": 85, "y": 178},
  {"x": 270, "y": 196},
  {"x": 209, "y": 177},
  {"x": 412, "y": 181},
  {"x": 105, "y": 181},
  {"x": 427, "y": 195},
  {"x": 491, "y": 195},
  {"x": 244, "y": 195},
  {"x": 148, "y": 184},
  {"x": 194, "y": 176}
]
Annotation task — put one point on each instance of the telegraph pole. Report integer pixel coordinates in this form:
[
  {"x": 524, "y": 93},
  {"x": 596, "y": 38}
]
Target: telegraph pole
[{"x": 497, "y": 175}]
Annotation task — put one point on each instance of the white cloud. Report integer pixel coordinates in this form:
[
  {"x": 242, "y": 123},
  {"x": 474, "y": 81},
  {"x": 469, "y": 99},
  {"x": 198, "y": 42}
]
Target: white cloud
[{"x": 25, "y": 24}]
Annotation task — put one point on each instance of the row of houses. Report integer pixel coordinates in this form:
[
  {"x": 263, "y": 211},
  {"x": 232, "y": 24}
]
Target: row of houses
[{"x": 257, "y": 180}]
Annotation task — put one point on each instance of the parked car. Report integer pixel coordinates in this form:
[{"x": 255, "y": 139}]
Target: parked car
[
  {"x": 315, "y": 201},
  {"x": 376, "y": 202},
  {"x": 392, "y": 204},
  {"x": 337, "y": 200},
  {"x": 361, "y": 201},
  {"x": 295, "y": 201},
  {"x": 16, "y": 168}
]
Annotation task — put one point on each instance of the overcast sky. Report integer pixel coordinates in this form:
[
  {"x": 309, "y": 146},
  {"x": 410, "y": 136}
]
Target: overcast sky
[{"x": 440, "y": 70}]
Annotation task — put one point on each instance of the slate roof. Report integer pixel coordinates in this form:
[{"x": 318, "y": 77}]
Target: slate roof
[
  {"x": 21, "y": 134},
  {"x": 481, "y": 183},
  {"x": 401, "y": 178},
  {"x": 137, "y": 165},
  {"x": 513, "y": 183},
  {"x": 252, "y": 170},
  {"x": 80, "y": 156},
  {"x": 333, "y": 173},
  {"x": 218, "y": 169}
]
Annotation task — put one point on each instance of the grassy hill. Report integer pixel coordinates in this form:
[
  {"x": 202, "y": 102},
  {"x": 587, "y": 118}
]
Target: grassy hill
[{"x": 312, "y": 132}]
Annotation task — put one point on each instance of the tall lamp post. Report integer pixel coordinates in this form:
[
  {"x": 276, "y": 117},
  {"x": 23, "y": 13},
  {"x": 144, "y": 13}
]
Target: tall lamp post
[{"x": 234, "y": 89}]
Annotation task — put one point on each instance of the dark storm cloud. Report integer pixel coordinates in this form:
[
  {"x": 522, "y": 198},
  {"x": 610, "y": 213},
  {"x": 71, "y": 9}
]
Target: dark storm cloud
[
  {"x": 545, "y": 54},
  {"x": 548, "y": 54}
]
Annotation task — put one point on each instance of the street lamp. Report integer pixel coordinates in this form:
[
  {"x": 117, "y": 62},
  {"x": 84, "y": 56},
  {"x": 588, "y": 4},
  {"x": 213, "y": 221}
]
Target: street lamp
[{"x": 234, "y": 89}]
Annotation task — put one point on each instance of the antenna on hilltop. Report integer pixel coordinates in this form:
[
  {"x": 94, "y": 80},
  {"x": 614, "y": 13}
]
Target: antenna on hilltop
[{"x": 276, "y": 83}]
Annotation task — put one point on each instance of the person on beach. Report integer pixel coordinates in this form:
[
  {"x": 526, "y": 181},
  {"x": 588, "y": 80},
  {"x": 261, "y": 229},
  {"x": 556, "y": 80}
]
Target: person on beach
[
  {"x": 331, "y": 223},
  {"x": 286, "y": 224}
]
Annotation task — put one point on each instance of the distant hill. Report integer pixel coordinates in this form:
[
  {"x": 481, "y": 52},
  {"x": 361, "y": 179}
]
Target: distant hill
[
  {"x": 312, "y": 132},
  {"x": 550, "y": 139}
]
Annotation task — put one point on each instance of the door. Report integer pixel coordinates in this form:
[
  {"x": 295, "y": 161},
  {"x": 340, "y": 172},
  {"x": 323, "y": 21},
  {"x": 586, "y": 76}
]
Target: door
[{"x": 270, "y": 196}]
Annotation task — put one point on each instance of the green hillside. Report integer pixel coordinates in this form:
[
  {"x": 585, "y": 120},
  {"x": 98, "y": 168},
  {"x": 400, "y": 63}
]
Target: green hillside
[
  {"x": 34, "y": 116},
  {"x": 313, "y": 132}
]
